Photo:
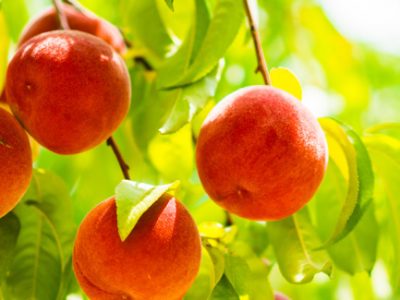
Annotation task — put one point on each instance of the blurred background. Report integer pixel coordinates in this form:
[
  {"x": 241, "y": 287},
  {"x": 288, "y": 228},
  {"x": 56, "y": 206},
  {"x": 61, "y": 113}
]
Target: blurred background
[{"x": 346, "y": 54}]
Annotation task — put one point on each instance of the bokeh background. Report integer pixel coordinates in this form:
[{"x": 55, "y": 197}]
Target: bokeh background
[{"x": 346, "y": 54}]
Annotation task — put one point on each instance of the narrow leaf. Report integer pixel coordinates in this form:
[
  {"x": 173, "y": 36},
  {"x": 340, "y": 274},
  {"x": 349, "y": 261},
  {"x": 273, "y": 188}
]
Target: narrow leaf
[
  {"x": 143, "y": 21},
  {"x": 360, "y": 177},
  {"x": 11, "y": 9},
  {"x": 9, "y": 231},
  {"x": 191, "y": 99},
  {"x": 362, "y": 242},
  {"x": 133, "y": 199},
  {"x": 205, "y": 280},
  {"x": 294, "y": 241},
  {"x": 227, "y": 18}
]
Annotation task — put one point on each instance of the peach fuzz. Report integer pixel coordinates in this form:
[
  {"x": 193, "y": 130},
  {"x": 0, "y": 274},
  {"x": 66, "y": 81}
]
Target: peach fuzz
[
  {"x": 69, "y": 89},
  {"x": 261, "y": 154},
  {"x": 82, "y": 21},
  {"x": 159, "y": 260},
  {"x": 15, "y": 162}
]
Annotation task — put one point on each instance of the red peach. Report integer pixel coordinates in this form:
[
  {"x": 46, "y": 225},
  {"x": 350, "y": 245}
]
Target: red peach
[
  {"x": 261, "y": 154},
  {"x": 82, "y": 21},
  {"x": 159, "y": 260},
  {"x": 15, "y": 162},
  {"x": 69, "y": 89}
]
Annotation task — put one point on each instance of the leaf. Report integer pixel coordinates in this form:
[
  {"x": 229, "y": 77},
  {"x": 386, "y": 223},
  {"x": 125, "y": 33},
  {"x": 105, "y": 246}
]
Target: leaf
[
  {"x": 178, "y": 63},
  {"x": 9, "y": 231},
  {"x": 385, "y": 155},
  {"x": 5, "y": 43},
  {"x": 294, "y": 241},
  {"x": 143, "y": 21},
  {"x": 133, "y": 199},
  {"x": 11, "y": 9},
  {"x": 361, "y": 242},
  {"x": 170, "y": 4},
  {"x": 191, "y": 99},
  {"x": 360, "y": 177},
  {"x": 248, "y": 283},
  {"x": 227, "y": 18},
  {"x": 224, "y": 291},
  {"x": 285, "y": 79},
  {"x": 45, "y": 241},
  {"x": 205, "y": 280},
  {"x": 173, "y": 155}
]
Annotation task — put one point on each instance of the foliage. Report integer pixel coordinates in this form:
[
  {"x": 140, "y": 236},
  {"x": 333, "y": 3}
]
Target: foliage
[{"x": 346, "y": 239}]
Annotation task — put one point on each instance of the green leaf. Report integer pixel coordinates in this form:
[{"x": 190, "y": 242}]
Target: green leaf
[
  {"x": 170, "y": 4},
  {"x": 11, "y": 9},
  {"x": 9, "y": 231},
  {"x": 178, "y": 63},
  {"x": 218, "y": 259},
  {"x": 45, "y": 241},
  {"x": 226, "y": 21},
  {"x": 5, "y": 43},
  {"x": 360, "y": 177},
  {"x": 294, "y": 241},
  {"x": 224, "y": 291},
  {"x": 385, "y": 155},
  {"x": 142, "y": 20},
  {"x": 361, "y": 242},
  {"x": 248, "y": 282},
  {"x": 133, "y": 199},
  {"x": 191, "y": 99},
  {"x": 205, "y": 280}
]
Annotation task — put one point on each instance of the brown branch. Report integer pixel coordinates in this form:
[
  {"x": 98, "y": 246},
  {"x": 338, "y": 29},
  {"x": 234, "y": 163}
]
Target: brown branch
[
  {"x": 228, "y": 220},
  {"x": 124, "y": 166},
  {"x": 262, "y": 64},
  {"x": 60, "y": 13}
]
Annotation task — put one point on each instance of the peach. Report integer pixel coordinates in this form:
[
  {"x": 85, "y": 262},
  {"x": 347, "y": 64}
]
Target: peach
[
  {"x": 261, "y": 154},
  {"x": 159, "y": 260},
  {"x": 15, "y": 162},
  {"x": 82, "y": 21},
  {"x": 69, "y": 89},
  {"x": 3, "y": 96}
]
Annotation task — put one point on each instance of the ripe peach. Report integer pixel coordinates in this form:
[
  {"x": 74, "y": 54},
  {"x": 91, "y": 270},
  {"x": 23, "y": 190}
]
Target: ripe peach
[
  {"x": 69, "y": 89},
  {"x": 159, "y": 259},
  {"x": 86, "y": 21},
  {"x": 15, "y": 162},
  {"x": 3, "y": 96},
  {"x": 261, "y": 154}
]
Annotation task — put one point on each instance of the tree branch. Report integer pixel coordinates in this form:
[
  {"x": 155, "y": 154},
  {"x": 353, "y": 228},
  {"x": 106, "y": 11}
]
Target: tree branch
[
  {"x": 262, "y": 64},
  {"x": 60, "y": 13},
  {"x": 123, "y": 165}
]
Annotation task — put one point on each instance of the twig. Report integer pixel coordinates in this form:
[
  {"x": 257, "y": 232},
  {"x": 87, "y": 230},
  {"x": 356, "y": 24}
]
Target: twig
[
  {"x": 124, "y": 166},
  {"x": 61, "y": 16},
  {"x": 228, "y": 220},
  {"x": 262, "y": 64}
]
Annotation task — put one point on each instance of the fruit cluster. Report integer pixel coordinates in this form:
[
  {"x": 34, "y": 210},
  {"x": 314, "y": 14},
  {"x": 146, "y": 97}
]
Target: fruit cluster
[{"x": 260, "y": 154}]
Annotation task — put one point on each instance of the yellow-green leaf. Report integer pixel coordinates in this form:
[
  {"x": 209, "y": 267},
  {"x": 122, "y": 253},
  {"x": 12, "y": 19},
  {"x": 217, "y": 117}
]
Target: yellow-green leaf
[
  {"x": 133, "y": 199},
  {"x": 286, "y": 80}
]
